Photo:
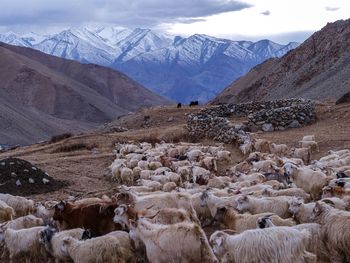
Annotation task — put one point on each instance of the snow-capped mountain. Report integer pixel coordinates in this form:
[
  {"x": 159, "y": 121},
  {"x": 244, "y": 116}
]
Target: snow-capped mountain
[{"x": 183, "y": 69}]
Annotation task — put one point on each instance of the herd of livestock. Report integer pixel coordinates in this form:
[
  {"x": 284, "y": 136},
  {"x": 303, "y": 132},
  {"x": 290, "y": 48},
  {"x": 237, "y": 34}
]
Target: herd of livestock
[{"x": 190, "y": 203}]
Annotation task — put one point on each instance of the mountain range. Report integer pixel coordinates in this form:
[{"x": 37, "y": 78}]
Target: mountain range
[
  {"x": 183, "y": 69},
  {"x": 318, "y": 69},
  {"x": 43, "y": 95}
]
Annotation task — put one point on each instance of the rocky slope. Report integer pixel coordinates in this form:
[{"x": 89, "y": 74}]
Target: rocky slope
[
  {"x": 183, "y": 69},
  {"x": 317, "y": 69},
  {"x": 43, "y": 95}
]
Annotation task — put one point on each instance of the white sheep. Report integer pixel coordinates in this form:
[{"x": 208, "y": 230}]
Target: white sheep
[
  {"x": 6, "y": 212},
  {"x": 25, "y": 242},
  {"x": 181, "y": 242},
  {"x": 21, "y": 205},
  {"x": 223, "y": 156},
  {"x": 277, "y": 244},
  {"x": 277, "y": 205},
  {"x": 308, "y": 138},
  {"x": 242, "y": 222},
  {"x": 335, "y": 225},
  {"x": 27, "y": 221},
  {"x": 316, "y": 244},
  {"x": 113, "y": 247},
  {"x": 309, "y": 180},
  {"x": 53, "y": 241},
  {"x": 169, "y": 186},
  {"x": 301, "y": 153},
  {"x": 278, "y": 149},
  {"x": 312, "y": 145},
  {"x": 126, "y": 176}
]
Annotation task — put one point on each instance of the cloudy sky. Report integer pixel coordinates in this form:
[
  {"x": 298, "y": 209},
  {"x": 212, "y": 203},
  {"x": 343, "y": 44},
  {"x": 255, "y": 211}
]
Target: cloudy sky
[{"x": 278, "y": 20}]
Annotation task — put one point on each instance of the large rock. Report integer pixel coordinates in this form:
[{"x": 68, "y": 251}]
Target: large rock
[{"x": 267, "y": 127}]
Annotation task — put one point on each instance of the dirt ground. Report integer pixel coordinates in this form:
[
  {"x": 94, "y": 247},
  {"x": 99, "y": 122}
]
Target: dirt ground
[{"x": 84, "y": 169}]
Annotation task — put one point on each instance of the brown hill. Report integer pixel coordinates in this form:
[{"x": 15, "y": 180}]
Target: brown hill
[
  {"x": 317, "y": 69},
  {"x": 42, "y": 95}
]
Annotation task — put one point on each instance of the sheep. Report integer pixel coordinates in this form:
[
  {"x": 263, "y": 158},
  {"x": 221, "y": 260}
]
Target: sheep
[
  {"x": 45, "y": 213},
  {"x": 21, "y": 205},
  {"x": 136, "y": 172},
  {"x": 309, "y": 180},
  {"x": 242, "y": 222},
  {"x": 194, "y": 155},
  {"x": 165, "y": 216},
  {"x": 282, "y": 178},
  {"x": 126, "y": 176},
  {"x": 6, "y": 212},
  {"x": 262, "y": 245},
  {"x": 154, "y": 165},
  {"x": 211, "y": 201},
  {"x": 202, "y": 211},
  {"x": 223, "y": 156},
  {"x": 24, "y": 222},
  {"x": 266, "y": 166},
  {"x": 301, "y": 153},
  {"x": 277, "y": 205},
  {"x": 113, "y": 247},
  {"x": 146, "y": 174},
  {"x": 156, "y": 186},
  {"x": 312, "y": 145},
  {"x": 53, "y": 241},
  {"x": 276, "y": 185},
  {"x": 339, "y": 152},
  {"x": 246, "y": 147},
  {"x": 254, "y": 177},
  {"x": 315, "y": 245},
  {"x": 335, "y": 225},
  {"x": 25, "y": 242},
  {"x": 181, "y": 242},
  {"x": 208, "y": 163},
  {"x": 200, "y": 175},
  {"x": 115, "y": 167},
  {"x": 297, "y": 192},
  {"x": 261, "y": 145},
  {"x": 144, "y": 165},
  {"x": 278, "y": 149},
  {"x": 169, "y": 186},
  {"x": 308, "y": 138},
  {"x": 158, "y": 201},
  {"x": 218, "y": 182},
  {"x": 300, "y": 211},
  {"x": 177, "y": 164}
]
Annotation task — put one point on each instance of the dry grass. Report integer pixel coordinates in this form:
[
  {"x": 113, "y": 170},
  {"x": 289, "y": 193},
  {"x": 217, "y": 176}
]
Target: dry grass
[
  {"x": 60, "y": 137},
  {"x": 74, "y": 147},
  {"x": 84, "y": 170}
]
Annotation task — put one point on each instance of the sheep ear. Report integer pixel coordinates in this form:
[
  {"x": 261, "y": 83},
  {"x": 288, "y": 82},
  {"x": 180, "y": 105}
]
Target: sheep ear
[{"x": 219, "y": 241}]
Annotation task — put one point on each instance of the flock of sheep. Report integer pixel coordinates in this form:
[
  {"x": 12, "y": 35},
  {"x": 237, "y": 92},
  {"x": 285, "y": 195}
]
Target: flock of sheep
[{"x": 189, "y": 203}]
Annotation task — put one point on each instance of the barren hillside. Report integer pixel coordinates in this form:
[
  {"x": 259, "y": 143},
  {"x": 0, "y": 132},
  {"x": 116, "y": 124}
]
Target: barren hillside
[
  {"x": 45, "y": 95},
  {"x": 318, "y": 69}
]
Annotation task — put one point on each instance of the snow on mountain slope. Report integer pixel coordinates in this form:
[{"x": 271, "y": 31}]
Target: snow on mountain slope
[{"x": 193, "y": 68}]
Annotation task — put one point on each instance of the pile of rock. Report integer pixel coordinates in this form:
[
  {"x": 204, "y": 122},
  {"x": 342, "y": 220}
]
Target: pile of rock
[
  {"x": 267, "y": 116},
  {"x": 219, "y": 129},
  {"x": 282, "y": 118}
]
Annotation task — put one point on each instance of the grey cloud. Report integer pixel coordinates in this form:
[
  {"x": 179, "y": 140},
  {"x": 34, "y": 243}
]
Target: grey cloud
[
  {"x": 329, "y": 8},
  {"x": 266, "y": 13},
  {"x": 122, "y": 12}
]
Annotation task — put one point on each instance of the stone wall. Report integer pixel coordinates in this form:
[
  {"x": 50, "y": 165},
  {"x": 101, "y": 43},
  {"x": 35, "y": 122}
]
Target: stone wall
[{"x": 268, "y": 116}]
